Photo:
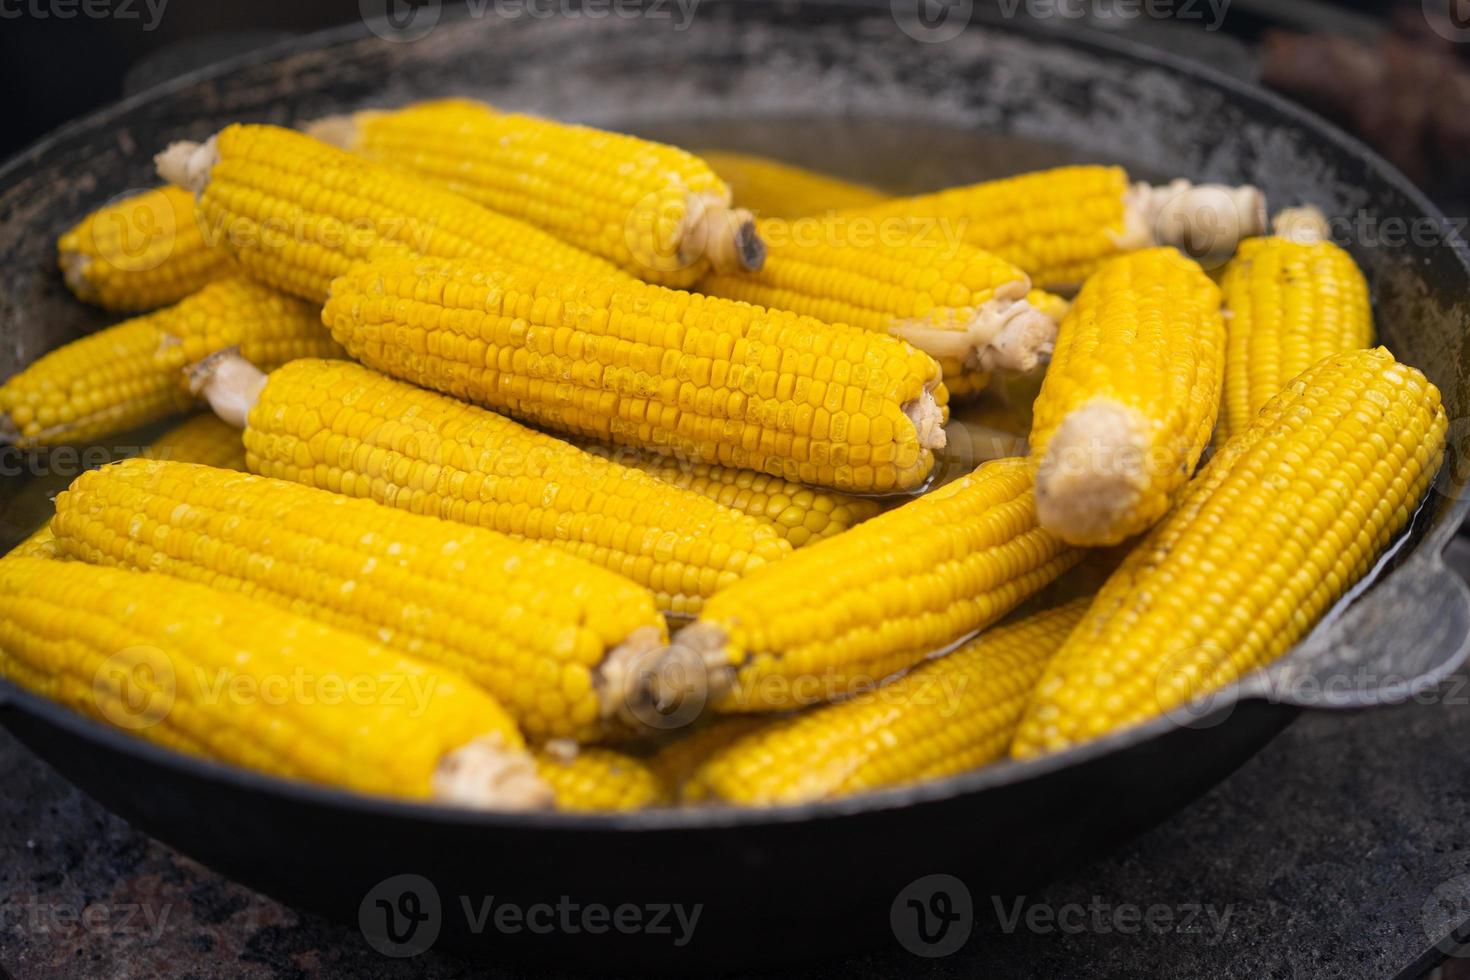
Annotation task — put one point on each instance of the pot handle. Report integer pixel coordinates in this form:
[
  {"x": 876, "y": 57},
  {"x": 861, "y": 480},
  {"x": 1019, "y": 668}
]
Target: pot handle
[{"x": 1412, "y": 634}]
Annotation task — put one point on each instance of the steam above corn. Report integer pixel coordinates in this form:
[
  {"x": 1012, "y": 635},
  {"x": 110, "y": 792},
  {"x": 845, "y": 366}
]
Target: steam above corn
[{"x": 632, "y": 462}]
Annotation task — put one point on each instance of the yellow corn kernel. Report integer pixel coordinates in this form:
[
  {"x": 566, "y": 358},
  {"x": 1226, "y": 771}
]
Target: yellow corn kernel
[
  {"x": 296, "y": 212},
  {"x": 204, "y": 439},
  {"x": 1130, "y": 398},
  {"x": 677, "y": 761},
  {"x": 345, "y": 428},
  {"x": 1051, "y": 306},
  {"x": 1288, "y": 304},
  {"x": 40, "y": 544},
  {"x": 800, "y": 514},
  {"x": 132, "y": 373},
  {"x": 655, "y": 211},
  {"x": 1060, "y": 225},
  {"x": 140, "y": 252},
  {"x": 542, "y": 647},
  {"x": 845, "y": 613},
  {"x": 964, "y": 307},
  {"x": 591, "y": 779},
  {"x": 948, "y": 715},
  {"x": 228, "y": 678},
  {"x": 1292, "y": 512},
  {"x": 704, "y": 379},
  {"x": 773, "y": 189}
]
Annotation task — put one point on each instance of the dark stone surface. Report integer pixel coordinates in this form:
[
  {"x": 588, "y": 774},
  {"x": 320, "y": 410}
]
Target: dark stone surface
[{"x": 1341, "y": 850}]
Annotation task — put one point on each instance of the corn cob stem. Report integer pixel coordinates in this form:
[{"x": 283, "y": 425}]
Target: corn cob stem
[
  {"x": 847, "y": 612},
  {"x": 96, "y": 639},
  {"x": 345, "y": 428},
  {"x": 1285, "y": 519}
]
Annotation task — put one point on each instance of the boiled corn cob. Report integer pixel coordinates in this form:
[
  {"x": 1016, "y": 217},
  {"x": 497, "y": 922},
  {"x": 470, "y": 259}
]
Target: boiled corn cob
[
  {"x": 132, "y": 373},
  {"x": 707, "y": 380},
  {"x": 140, "y": 252},
  {"x": 948, "y": 715},
  {"x": 296, "y": 213},
  {"x": 548, "y": 647},
  {"x": 799, "y": 514},
  {"x": 657, "y": 212},
  {"x": 345, "y": 428},
  {"x": 40, "y": 544},
  {"x": 204, "y": 439},
  {"x": 1290, "y": 301},
  {"x": 681, "y": 758},
  {"x": 773, "y": 189},
  {"x": 1060, "y": 225},
  {"x": 846, "y": 613},
  {"x": 201, "y": 671},
  {"x": 1291, "y": 513},
  {"x": 1130, "y": 398},
  {"x": 964, "y": 307},
  {"x": 590, "y": 779}
]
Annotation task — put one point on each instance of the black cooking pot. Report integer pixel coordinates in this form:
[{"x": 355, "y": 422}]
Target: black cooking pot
[{"x": 872, "y": 92}]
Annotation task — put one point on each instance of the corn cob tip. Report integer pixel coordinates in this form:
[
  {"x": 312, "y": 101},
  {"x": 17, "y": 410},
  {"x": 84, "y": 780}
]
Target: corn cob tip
[
  {"x": 621, "y": 678},
  {"x": 339, "y": 130},
  {"x": 486, "y": 775},
  {"x": 1204, "y": 219},
  {"x": 229, "y": 383},
  {"x": 1092, "y": 473},
  {"x": 1304, "y": 225},
  {"x": 730, "y": 238},
  {"x": 928, "y": 419},
  {"x": 187, "y": 164},
  {"x": 74, "y": 270},
  {"x": 695, "y": 667},
  {"x": 1005, "y": 333}
]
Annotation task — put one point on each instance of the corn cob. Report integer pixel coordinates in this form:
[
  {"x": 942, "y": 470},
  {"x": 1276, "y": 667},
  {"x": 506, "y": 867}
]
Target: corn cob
[
  {"x": 1049, "y": 305},
  {"x": 845, "y": 613},
  {"x": 228, "y": 678},
  {"x": 589, "y": 779},
  {"x": 548, "y": 647},
  {"x": 1289, "y": 302},
  {"x": 773, "y": 189},
  {"x": 946, "y": 716},
  {"x": 681, "y": 758},
  {"x": 1130, "y": 398},
  {"x": 344, "y": 428},
  {"x": 204, "y": 439},
  {"x": 1060, "y": 225},
  {"x": 40, "y": 544},
  {"x": 799, "y": 514},
  {"x": 655, "y": 211},
  {"x": 296, "y": 212},
  {"x": 964, "y": 307},
  {"x": 704, "y": 379},
  {"x": 140, "y": 252},
  {"x": 1290, "y": 514},
  {"x": 132, "y": 373}
]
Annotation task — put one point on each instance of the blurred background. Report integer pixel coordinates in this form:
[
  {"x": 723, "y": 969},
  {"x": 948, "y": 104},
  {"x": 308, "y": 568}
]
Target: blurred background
[{"x": 1395, "y": 72}]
